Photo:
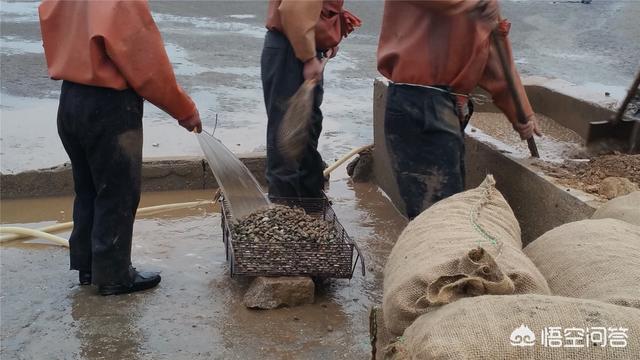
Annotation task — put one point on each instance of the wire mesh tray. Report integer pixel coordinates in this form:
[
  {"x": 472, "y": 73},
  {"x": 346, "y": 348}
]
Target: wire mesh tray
[{"x": 330, "y": 260}]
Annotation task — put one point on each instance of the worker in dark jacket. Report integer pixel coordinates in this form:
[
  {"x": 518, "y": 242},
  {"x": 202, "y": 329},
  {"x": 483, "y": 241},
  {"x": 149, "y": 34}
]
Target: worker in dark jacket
[
  {"x": 435, "y": 53},
  {"x": 110, "y": 56},
  {"x": 300, "y": 34}
]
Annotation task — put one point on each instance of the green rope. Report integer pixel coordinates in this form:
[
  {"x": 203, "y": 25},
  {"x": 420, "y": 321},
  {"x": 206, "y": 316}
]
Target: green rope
[
  {"x": 472, "y": 218},
  {"x": 483, "y": 233}
]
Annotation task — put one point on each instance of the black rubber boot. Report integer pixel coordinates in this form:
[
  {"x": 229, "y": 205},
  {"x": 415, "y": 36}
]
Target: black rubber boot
[
  {"x": 84, "y": 277},
  {"x": 139, "y": 281}
]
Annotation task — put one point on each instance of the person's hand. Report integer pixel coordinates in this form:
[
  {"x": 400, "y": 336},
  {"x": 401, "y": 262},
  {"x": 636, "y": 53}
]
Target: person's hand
[
  {"x": 193, "y": 122},
  {"x": 312, "y": 69},
  {"x": 331, "y": 53},
  {"x": 528, "y": 129},
  {"x": 350, "y": 21}
]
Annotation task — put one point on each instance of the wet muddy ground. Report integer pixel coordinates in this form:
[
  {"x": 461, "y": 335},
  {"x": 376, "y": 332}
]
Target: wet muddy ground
[
  {"x": 197, "y": 311},
  {"x": 215, "y": 47}
]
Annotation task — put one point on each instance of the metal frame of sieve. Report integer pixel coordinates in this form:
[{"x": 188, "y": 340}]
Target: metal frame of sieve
[{"x": 326, "y": 260}]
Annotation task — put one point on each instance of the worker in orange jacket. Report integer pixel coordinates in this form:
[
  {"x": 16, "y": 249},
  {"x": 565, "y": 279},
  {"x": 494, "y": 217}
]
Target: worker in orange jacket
[
  {"x": 435, "y": 53},
  {"x": 300, "y": 33},
  {"x": 110, "y": 56}
]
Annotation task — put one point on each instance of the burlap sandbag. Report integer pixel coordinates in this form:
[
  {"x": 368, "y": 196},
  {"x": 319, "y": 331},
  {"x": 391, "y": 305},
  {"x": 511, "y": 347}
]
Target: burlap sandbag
[
  {"x": 625, "y": 208},
  {"x": 466, "y": 245},
  {"x": 379, "y": 334},
  {"x": 485, "y": 327},
  {"x": 591, "y": 259}
]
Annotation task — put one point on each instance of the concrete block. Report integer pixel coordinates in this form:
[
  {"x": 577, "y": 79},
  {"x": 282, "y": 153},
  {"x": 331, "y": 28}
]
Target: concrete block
[
  {"x": 274, "y": 292},
  {"x": 172, "y": 174},
  {"x": 183, "y": 173},
  {"x": 55, "y": 181}
]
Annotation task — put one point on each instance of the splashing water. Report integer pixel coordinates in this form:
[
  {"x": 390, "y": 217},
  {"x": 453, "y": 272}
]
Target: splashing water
[{"x": 240, "y": 188}]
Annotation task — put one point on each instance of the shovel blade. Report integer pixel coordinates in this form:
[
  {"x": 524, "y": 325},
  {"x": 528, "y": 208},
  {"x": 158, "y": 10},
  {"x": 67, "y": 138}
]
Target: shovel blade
[{"x": 605, "y": 136}]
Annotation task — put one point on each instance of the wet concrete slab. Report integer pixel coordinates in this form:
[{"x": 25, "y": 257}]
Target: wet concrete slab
[{"x": 197, "y": 311}]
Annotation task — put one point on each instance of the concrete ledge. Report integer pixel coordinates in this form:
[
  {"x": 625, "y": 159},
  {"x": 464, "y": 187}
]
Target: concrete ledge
[
  {"x": 188, "y": 173},
  {"x": 538, "y": 203},
  {"x": 573, "y": 105}
]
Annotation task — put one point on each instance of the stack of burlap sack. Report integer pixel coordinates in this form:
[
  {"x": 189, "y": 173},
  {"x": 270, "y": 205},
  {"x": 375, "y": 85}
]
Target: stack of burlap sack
[{"x": 458, "y": 285}]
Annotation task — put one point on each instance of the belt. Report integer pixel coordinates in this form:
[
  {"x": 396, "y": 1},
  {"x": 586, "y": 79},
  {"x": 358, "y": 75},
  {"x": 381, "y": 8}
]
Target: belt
[{"x": 433, "y": 88}]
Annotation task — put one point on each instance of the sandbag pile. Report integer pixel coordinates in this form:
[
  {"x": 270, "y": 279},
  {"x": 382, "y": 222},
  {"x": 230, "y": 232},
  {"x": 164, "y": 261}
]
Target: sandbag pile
[
  {"x": 522, "y": 327},
  {"x": 458, "y": 285},
  {"x": 591, "y": 259},
  {"x": 466, "y": 245},
  {"x": 625, "y": 208}
]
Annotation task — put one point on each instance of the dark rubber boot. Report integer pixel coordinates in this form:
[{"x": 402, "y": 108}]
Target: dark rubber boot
[
  {"x": 140, "y": 281},
  {"x": 84, "y": 277}
]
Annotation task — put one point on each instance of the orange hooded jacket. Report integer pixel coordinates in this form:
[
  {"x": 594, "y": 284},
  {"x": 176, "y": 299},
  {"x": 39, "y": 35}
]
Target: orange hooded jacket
[
  {"x": 113, "y": 44},
  {"x": 442, "y": 43}
]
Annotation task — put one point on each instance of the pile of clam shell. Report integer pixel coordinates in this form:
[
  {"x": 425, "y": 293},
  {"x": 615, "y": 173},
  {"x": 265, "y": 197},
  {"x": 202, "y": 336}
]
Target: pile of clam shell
[{"x": 283, "y": 224}]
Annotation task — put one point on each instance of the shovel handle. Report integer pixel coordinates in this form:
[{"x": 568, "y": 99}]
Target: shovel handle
[
  {"x": 632, "y": 92},
  {"x": 504, "y": 62}
]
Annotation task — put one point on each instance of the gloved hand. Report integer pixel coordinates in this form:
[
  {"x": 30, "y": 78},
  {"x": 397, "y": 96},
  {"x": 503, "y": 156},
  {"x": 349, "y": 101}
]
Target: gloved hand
[
  {"x": 527, "y": 130},
  {"x": 192, "y": 123}
]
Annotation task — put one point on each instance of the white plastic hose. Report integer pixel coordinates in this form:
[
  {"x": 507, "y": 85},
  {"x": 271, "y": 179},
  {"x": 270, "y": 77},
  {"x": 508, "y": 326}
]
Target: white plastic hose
[
  {"x": 25, "y": 232},
  {"x": 22, "y": 233}
]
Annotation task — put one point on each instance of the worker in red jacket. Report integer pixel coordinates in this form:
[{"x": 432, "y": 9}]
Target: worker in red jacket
[
  {"x": 299, "y": 34},
  {"x": 110, "y": 56},
  {"x": 435, "y": 53}
]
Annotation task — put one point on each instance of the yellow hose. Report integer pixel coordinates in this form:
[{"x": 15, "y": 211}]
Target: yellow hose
[
  {"x": 47, "y": 229},
  {"x": 22, "y": 233},
  {"x": 25, "y": 232}
]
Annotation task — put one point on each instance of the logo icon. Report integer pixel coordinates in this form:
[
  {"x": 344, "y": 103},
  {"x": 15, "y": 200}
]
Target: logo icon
[{"x": 523, "y": 336}]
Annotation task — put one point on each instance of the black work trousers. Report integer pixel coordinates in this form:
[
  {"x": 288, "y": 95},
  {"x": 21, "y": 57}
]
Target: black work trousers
[
  {"x": 282, "y": 75},
  {"x": 425, "y": 140},
  {"x": 101, "y": 130}
]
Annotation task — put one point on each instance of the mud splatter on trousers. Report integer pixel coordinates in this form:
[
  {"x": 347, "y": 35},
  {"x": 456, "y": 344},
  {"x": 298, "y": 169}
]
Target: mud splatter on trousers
[
  {"x": 281, "y": 74},
  {"x": 101, "y": 130},
  {"x": 425, "y": 139}
]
